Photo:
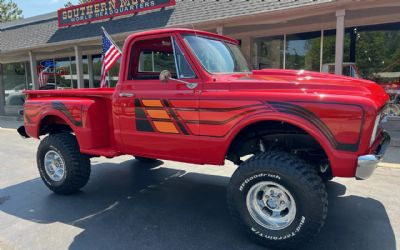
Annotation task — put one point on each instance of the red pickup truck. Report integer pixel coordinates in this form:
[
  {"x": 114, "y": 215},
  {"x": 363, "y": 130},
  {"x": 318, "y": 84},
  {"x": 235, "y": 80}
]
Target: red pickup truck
[{"x": 189, "y": 96}]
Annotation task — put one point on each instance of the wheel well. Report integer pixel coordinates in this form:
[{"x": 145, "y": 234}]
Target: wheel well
[
  {"x": 277, "y": 135},
  {"x": 53, "y": 124}
]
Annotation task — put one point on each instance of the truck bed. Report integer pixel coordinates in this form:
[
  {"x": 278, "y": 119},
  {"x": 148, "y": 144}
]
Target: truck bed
[
  {"x": 88, "y": 112},
  {"x": 102, "y": 92}
]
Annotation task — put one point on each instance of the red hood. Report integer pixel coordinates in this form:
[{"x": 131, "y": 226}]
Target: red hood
[{"x": 307, "y": 82}]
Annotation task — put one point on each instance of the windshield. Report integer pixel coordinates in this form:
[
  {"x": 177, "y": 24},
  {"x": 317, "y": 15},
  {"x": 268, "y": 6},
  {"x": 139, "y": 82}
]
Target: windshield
[{"x": 217, "y": 56}]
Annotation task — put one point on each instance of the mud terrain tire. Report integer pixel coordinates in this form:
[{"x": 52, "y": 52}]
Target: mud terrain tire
[
  {"x": 262, "y": 184},
  {"x": 62, "y": 150}
]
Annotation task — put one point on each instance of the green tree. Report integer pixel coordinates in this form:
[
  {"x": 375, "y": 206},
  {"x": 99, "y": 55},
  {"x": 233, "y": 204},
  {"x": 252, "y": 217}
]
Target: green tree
[
  {"x": 378, "y": 52},
  {"x": 9, "y": 11},
  {"x": 69, "y": 3}
]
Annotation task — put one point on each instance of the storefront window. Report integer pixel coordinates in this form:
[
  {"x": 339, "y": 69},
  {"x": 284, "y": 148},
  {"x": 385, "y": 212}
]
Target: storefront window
[
  {"x": 114, "y": 72},
  {"x": 329, "y": 48},
  {"x": 377, "y": 52},
  {"x": 17, "y": 78},
  {"x": 112, "y": 75},
  {"x": 64, "y": 72},
  {"x": 85, "y": 63},
  {"x": 14, "y": 76},
  {"x": 269, "y": 52},
  {"x": 15, "y": 81},
  {"x": 303, "y": 51},
  {"x": 97, "y": 70}
]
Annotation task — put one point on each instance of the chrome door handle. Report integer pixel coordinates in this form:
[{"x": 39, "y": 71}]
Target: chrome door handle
[{"x": 126, "y": 94}]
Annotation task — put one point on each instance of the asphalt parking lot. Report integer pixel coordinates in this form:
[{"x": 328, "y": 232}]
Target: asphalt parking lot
[{"x": 168, "y": 205}]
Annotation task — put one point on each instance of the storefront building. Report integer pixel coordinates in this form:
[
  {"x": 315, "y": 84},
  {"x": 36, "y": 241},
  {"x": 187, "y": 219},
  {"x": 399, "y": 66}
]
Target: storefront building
[{"x": 353, "y": 37}]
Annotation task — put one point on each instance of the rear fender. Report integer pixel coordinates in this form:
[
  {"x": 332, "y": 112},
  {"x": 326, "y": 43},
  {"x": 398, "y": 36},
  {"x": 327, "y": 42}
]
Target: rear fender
[{"x": 86, "y": 117}]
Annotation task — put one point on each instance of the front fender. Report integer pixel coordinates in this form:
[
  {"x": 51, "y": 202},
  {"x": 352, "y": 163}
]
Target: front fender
[{"x": 342, "y": 163}]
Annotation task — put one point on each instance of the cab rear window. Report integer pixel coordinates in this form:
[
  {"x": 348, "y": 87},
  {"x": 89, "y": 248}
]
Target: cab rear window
[{"x": 156, "y": 61}]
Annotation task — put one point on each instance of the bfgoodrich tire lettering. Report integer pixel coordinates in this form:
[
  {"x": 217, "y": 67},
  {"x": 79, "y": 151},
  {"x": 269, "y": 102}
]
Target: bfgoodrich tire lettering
[
  {"x": 77, "y": 165},
  {"x": 295, "y": 176}
]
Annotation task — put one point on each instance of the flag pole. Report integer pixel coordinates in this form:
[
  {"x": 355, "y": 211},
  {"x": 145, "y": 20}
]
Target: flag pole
[
  {"x": 116, "y": 49},
  {"x": 109, "y": 38}
]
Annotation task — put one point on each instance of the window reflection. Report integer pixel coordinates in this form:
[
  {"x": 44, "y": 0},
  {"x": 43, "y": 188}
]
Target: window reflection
[
  {"x": 370, "y": 52},
  {"x": 303, "y": 51},
  {"x": 269, "y": 52}
]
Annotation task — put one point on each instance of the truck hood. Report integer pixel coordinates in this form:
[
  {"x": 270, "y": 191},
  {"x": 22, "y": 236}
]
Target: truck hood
[{"x": 307, "y": 82}]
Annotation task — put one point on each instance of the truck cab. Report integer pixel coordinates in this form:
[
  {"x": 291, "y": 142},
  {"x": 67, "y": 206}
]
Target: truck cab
[{"x": 189, "y": 96}]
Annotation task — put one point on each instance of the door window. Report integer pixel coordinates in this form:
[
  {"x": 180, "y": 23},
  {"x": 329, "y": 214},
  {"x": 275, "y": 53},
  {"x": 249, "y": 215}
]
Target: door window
[
  {"x": 183, "y": 66},
  {"x": 150, "y": 57}
]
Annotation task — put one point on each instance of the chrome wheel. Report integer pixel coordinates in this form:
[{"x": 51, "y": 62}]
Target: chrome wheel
[
  {"x": 54, "y": 165},
  {"x": 271, "y": 205}
]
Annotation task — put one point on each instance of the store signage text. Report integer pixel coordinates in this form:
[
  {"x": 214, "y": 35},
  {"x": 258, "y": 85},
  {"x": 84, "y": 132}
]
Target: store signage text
[{"x": 104, "y": 9}]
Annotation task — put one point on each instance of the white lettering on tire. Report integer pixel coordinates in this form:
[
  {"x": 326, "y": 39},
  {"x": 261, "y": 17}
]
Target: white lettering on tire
[
  {"x": 287, "y": 236},
  {"x": 245, "y": 182}
]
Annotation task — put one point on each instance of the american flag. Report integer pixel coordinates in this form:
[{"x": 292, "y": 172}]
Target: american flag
[
  {"x": 43, "y": 78},
  {"x": 111, "y": 54}
]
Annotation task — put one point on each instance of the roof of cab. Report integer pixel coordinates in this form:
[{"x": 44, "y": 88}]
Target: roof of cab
[{"x": 180, "y": 30}]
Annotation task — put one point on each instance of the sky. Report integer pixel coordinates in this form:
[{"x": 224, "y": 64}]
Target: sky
[{"x": 36, "y": 7}]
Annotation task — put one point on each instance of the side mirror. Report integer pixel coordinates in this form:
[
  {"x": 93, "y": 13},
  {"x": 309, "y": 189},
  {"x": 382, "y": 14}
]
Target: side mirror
[{"x": 165, "y": 76}]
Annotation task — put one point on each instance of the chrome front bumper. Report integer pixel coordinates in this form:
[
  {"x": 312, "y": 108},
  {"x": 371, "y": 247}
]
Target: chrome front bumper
[{"x": 368, "y": 163}]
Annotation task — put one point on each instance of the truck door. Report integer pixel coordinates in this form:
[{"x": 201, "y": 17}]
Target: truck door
[{"x": 159, "y": 119}]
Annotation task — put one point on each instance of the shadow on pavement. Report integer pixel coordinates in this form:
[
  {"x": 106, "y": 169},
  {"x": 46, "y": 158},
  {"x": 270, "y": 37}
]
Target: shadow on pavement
[
  {"x": 392, "y": 155},
  {"x": 131, "y": 206}
]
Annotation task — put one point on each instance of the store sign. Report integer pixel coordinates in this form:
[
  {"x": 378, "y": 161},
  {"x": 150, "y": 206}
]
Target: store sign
[{"x": 104, "y": 9}]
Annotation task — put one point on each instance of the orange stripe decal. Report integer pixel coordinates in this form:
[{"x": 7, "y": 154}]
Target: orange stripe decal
[
  {"x": 166, "y": 127},
  {"x": 158, "y": 114},
  {"x": 152, "y": 103}
]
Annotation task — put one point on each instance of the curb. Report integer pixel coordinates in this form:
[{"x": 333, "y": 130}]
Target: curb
[
  {"x": 10, "y": 118},
  {"x": 389, "y": 165},
  {"x": 395, "y": 143}
]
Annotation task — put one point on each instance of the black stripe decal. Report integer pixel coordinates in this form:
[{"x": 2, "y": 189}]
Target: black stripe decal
[
  {"x": 63, "y": 109},
  {"x": 307, "y": 115},
  {"x": 172, "y": 112},
  {"x": 226, "y": 121},
  {"x": 219, "y": 109},
  {"x": 142, "y": 123},
  {"x": 303, "y": 113}
]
